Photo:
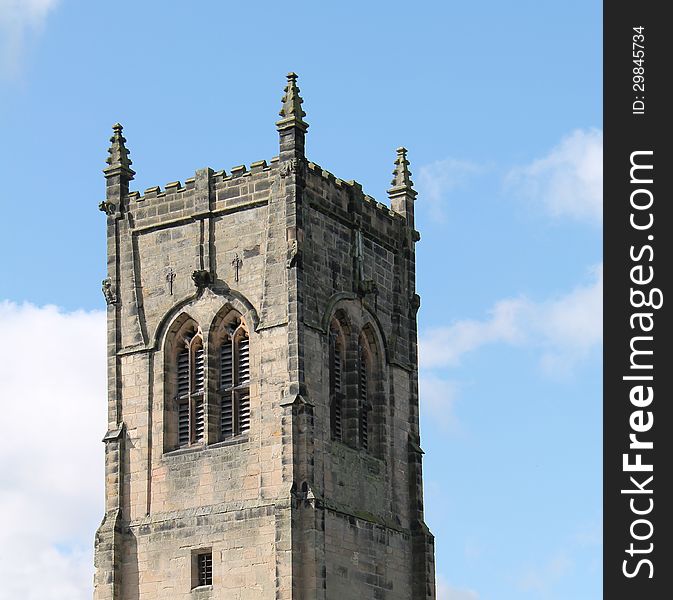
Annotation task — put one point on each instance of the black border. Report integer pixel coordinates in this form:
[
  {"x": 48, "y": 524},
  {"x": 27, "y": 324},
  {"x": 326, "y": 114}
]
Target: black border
[{"x": 624, "y": 133}]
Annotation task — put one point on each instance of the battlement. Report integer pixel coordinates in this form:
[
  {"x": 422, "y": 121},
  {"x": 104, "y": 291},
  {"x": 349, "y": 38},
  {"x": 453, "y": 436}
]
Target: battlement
[
  {"x": 206, "y": 192},
  {"x": 354, "y": 185},
  {"x": 250, "y": 185},
  {"x": 217, "y": 177}
]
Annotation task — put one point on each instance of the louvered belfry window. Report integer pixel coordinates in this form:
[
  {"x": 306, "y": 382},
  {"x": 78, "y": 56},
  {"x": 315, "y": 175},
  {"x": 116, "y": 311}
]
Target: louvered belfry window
[
  {"x": 336, "y": 386},
  {"x": 235, "y": 381},
  {"x": 190, "y": 386},
  {"x": 364, "y": 405}
]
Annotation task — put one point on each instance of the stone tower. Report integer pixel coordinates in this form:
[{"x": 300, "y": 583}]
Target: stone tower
[{"x": 263, "y": 423}]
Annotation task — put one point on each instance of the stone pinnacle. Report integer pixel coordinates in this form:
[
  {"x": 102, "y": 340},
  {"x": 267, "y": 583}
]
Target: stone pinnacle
[
  {"x": 118, "y": 159},
  {"x": 291, "y": 111},
  {"x": 401, "y": 175}
]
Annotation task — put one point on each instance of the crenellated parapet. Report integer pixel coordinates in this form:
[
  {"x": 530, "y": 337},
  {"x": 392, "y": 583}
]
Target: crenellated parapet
[
  {"x": 245, "y": 185},
  {"x": 241, "y": 187}
]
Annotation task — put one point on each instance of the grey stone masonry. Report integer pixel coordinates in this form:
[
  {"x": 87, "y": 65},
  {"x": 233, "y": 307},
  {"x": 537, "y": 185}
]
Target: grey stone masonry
[{"x": 262, "y": 385}]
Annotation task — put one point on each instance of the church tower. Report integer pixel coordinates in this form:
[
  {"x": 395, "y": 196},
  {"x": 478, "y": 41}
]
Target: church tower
[{"x": 263, "y": 424}]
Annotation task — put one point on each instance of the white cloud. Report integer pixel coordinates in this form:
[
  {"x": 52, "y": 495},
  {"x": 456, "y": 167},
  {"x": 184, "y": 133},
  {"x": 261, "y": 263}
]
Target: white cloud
[
  {"x": 569, "y": 180},
  {"x": 445, "y": 346},
  {"x": 52, "y": 393},
  {"x": 440, "y": 177},
  {"x": 448, "y": 592},
  {"x": 565, "y": 329},
  {"x": 19, "y": 19}
]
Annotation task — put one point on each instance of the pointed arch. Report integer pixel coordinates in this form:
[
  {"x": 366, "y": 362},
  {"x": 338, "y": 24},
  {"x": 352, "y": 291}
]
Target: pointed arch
[
  {"x": 184, "y": 384},
  {"x": 229, "y": 299},
  {"x": 357, "y": 362},
  {"x": 340, "y": 303}
]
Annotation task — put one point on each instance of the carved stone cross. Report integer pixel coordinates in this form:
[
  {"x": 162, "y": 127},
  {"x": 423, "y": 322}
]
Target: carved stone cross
[
  {"x": 236, "y": 263},
  {"x": 170, "y": 278}
]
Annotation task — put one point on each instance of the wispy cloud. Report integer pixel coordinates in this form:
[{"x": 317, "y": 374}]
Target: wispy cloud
[
  {"x": 437, "y": 179},
  {"x": 19, "y": 21},
  {"x": 568, "y": 180},
  {"x": 449, "y": 592},
  {"x": 565, "y": 329},
  {"x": 439, "y": 397},
  {"x": 52, "y": 390}
]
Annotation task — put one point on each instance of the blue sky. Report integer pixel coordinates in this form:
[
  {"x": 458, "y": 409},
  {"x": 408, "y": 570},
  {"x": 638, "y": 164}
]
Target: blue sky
[{"x": 500, "y": 107}]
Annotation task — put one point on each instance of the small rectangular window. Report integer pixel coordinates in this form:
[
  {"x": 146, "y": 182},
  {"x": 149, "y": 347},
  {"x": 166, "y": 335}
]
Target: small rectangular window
[{"x": 204, "y": 568}]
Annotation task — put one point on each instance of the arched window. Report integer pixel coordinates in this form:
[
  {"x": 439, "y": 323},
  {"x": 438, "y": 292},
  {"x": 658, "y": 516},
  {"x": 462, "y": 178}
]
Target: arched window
[
  {"x": 336, "y": 372},
  {"x": 234, "y": 382},
  {"x": 190, "y": 389},
  {"x": 357, "y": 399}
]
